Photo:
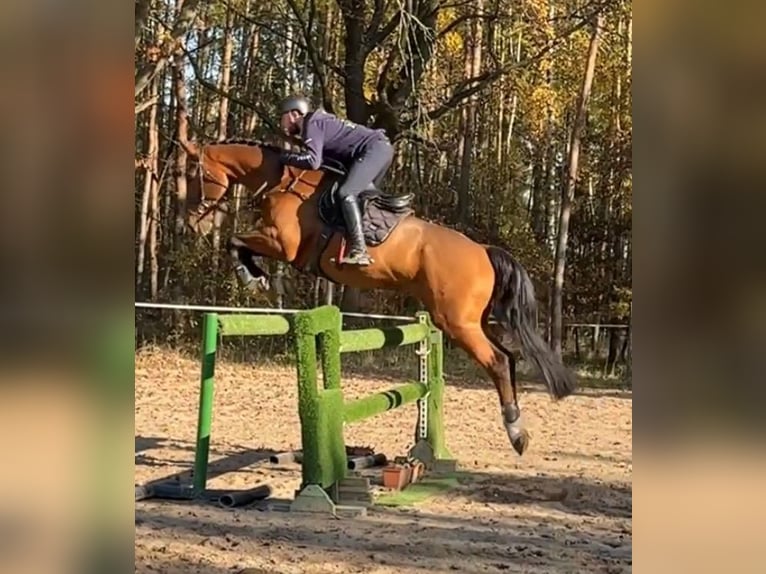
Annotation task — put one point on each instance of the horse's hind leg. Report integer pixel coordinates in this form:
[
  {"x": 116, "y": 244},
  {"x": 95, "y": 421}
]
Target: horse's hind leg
[
  {"x": 502, "y": 369},
  {"x": 501, "y": 339}
]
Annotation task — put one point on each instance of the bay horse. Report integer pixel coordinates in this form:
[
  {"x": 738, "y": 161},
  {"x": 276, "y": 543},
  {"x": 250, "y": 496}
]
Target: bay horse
[{"x": 463, "y": 284}]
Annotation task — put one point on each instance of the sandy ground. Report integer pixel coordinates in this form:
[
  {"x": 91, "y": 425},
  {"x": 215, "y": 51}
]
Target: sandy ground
[{"x": 565, "y": 506}]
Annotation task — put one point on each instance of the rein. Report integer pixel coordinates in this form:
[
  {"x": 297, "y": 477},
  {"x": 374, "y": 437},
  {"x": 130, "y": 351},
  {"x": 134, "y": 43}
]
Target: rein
[
  {"x": 295, "y": 181},
  {"x": 206, "y": 206}
]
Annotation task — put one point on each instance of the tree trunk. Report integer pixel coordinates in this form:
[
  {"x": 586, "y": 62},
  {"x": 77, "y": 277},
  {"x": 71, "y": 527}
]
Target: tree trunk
[
  {"x": 576, "y": 337},
  {"x": 500, "y": 119},
  {"x": 568, "y": 189},
  {"x": 182, "y": 123},
  {"x": 252, "y": 78},
  {"x": 508, "y": 175},
  {"x": 357, "y": 110},
  {"x": 228, "y": 50},
  {"x": 223, "y": 116},
  {"x": 625, "y": 352},
  {"x": 289, "y": 58},
  {"x": 154, "y": 213},
  {"x": 316, "y": 69},
  {"x": 141, "y": 11},
  {"x": 323, "y": 292},
  {"x": 202, "y": 97},
  {"x": 187, "y": 12},
  {"x": 596, "y": 340},
  {"x": 150, "y": 189},
  {"x": 539, "y": 194},
  {"x": 356, "y": 105},
  {"x": 351, "y": 300},
  {"x": 468, "y": 131},
  {"x": 353, "y": 19},
  {"x": 616, "y": 342},
  {"x": 143, "y": 221}
]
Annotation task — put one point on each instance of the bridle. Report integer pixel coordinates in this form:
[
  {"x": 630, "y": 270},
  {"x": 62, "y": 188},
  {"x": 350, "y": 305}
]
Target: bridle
[
  {"x": 206, "y": 205},
  {"x": 295, "y": 181}
]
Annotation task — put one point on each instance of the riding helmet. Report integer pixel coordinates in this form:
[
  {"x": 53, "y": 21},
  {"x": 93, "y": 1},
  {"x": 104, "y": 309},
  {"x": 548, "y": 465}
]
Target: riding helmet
[{"x": 298, "y": 103}]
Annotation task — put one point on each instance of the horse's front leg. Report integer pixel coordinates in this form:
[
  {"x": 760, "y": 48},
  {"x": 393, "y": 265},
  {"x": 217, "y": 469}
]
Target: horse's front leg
[
  {"x": 244, "y": 248},
  {"x": 250, "y": 274}
]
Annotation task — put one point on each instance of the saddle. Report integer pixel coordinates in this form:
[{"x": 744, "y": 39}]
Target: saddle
[{"x": 381, "y": 213}]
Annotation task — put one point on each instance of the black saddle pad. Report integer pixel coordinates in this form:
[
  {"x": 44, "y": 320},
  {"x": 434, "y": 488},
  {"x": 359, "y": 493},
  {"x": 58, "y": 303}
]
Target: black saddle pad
[{"x": 381, "y": 213}]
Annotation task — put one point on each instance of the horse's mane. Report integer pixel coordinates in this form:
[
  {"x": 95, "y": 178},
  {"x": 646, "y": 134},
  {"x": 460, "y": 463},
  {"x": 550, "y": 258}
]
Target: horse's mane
[{"x": 248, "y": 142}]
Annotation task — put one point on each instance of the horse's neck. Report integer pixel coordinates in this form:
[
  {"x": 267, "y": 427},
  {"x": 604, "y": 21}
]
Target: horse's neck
[
  {"x": 244, "y": 159},
  {"x": 248, "y": 165},
  {"x": 310, "y": 181},
  {"x": 256, "y": 166}
]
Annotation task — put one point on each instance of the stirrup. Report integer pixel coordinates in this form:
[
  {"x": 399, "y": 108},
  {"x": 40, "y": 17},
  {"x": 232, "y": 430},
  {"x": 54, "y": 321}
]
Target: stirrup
[{"x": 358, "y": 258}]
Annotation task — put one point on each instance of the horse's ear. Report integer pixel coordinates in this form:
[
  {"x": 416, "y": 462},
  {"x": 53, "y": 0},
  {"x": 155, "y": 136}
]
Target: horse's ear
[{"x": 191, "y": 148}]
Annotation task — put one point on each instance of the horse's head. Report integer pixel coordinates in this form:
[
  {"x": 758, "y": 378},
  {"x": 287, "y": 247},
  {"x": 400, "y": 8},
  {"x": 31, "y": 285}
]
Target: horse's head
[
  {"x": 215, "y": 167},
  {"x": 212, "y": 171},
  {"x": 206, "y": 184}
]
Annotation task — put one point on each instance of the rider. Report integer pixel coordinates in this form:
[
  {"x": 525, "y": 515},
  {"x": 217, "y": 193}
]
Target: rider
[{"x": 366, "y": 153}]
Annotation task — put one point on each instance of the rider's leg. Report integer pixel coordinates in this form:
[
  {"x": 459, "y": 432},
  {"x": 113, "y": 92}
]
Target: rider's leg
[
  {"x": 370, "y": 167},
  {"x": 352, "y": 214},
  {"x": 386, "y": 153}
]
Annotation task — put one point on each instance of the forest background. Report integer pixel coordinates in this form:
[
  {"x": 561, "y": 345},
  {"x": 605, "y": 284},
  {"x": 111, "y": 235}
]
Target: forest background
[{"x": 511, "y": 121}]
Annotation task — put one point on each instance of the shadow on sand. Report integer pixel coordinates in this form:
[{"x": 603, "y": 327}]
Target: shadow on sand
[{"x": 414, "y": 539}]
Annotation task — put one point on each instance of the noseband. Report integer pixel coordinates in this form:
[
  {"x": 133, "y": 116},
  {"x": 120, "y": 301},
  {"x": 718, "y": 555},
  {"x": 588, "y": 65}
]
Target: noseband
[{"x": 207, "y": 205}]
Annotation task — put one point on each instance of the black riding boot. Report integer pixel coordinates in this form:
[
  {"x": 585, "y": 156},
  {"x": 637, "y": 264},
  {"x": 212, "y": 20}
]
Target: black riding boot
[{"x": 357, "y": 253}]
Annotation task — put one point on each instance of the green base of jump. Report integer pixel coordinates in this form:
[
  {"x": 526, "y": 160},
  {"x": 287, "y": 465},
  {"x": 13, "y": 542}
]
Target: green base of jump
[
  {"x": 424, "y": 452},
  {"x": 352, "y": 496},
  {"x": 315, "y": 500},
  {"x": 324, "y": 413},
  {"x": 426, "y": 488}
]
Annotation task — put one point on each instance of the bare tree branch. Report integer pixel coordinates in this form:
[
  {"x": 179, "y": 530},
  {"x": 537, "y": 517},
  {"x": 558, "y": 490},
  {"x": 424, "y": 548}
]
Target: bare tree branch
[
  {"x": 280, "y": 34},
  {"x": 226, "y": 94},
  {"x": 141, "y": 12},
  {"x": 420, "y": 38},
  {"x": 471, "y": 86},
  {"x": 311, "y": 49},
  {"x": 183, "y": 24},
  {"x": 355, "y": 57},
  {"x": 383, "y": 75},
  {"x": 410, "y": 135},
  {"x": 466, "y": 18},
  {"x": 376, "y": 19},
  {"x": 459, "y": 4},
  {"x": 143, "y": 106},
  {"x": 376, "y": 37}
]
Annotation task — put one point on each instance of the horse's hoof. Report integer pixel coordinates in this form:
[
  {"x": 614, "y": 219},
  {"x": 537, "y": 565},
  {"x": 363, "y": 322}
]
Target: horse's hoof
[
  {"x": 258, "y": 284},
  {"x": 519, "y": 438},
  {"x": 261, "y": 283},
  {"x": 244, "y": 275},
  {"x": 249, "y": 281}
]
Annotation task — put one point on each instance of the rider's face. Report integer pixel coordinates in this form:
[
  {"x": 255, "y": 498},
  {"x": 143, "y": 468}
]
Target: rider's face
[{"x": 289, "y": 123}]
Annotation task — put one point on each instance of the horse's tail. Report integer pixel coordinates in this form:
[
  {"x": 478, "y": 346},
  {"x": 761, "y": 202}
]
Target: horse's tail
[{"x": 514, "y": 306}]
